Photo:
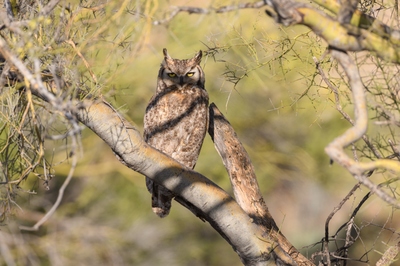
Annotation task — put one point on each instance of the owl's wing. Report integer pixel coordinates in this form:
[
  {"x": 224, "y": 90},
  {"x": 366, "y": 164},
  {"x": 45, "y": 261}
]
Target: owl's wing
[{"x": 176, "y": 124}]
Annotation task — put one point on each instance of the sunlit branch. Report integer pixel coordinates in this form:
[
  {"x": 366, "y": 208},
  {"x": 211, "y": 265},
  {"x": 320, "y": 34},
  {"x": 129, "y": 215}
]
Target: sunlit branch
[
  {"x": 351, "y": 31},
  {"x": 349, "y": 37},
  {"x": 244, "y": 182},
  {"x": 389, "y": 257},
  {"x": 197, "y": 10},
  {"x": 339, "y": 107},
  {"x": 211, "y": 202},
  {"x": 335, "y": 149}
]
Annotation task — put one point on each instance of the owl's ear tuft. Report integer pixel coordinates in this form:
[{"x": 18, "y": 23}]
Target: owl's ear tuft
[
  {"x": 166, "y": 55},
  {"x": 167, "y": 58},
  {"x": 197, "y": 57}
]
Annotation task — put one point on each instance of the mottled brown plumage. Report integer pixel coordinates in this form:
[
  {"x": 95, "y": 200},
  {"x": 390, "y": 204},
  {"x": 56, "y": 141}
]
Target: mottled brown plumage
[{"x": 176, "y": 119}]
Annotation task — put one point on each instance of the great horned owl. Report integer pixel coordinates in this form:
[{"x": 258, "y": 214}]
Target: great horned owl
[{"x": 176, "y": 119}]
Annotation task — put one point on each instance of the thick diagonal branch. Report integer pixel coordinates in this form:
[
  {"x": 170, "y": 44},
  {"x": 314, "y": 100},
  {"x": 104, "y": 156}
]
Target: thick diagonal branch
[{"x": 211, "y": 202}]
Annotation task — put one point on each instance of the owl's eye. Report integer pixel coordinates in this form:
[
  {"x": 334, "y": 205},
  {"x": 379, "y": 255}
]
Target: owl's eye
[
  {"x": 189, "y": 74},
  {"x": 171, "y": 75}
]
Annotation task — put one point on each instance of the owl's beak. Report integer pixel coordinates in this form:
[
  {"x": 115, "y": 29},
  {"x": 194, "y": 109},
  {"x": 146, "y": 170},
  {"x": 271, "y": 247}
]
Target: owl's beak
[{"x": 181, "y": 80}]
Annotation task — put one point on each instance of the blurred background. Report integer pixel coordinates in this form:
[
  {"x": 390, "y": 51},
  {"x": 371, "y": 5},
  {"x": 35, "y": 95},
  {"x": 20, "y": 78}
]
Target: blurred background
[{"x": 263, "y": 78}]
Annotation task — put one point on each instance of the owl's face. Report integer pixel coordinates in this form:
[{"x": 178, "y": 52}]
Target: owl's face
[{"x": 184, "y": 73}]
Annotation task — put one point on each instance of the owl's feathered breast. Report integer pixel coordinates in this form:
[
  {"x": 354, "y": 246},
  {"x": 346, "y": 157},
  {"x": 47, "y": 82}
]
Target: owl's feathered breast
[{"x": 176, "y": 123}]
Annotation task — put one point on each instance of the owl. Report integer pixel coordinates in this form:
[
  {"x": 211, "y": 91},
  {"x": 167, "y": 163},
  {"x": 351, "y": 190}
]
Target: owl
[{"x": 176, "y": 119}]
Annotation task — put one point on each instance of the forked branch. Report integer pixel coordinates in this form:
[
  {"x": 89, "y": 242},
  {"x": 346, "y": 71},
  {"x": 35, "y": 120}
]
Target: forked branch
[{"x": 335, "y": 149}]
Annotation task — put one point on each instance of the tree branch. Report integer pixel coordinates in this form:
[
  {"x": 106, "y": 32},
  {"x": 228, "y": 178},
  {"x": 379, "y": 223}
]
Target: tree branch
[
  {"x": 198, "y": 10},
  {"x": 364, "y": 21},
  {"x": 389, "y": 256},
  {"x": 335, "y": 149},
  {"x": 60, "y": 195},
  {"x": 49, "y": 7},
  {"x": 212, "y": 203},
  {"x": 240, "y": 169},
  {"x": 347, "y": 37},
  {"x": 244, "y": 181},
  {"x": 335, "y": 91},
  {"x": 351, "y": 31}
]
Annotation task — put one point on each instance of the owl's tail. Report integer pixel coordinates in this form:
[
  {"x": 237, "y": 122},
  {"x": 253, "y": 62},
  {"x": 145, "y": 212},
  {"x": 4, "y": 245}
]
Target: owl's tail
[{"x": 161, "y": 198}]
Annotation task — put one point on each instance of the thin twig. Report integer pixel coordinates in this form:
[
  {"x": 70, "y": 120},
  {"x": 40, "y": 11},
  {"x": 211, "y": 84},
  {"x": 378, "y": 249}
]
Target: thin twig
[
  {"x": 70, "y": 42},
  {"x": 395, "y": 149},
  {"x": 9, "y": 10},
  {"x": 349, "y": 240},
  {"x": 60, "y": 192},
  {"x": 337, "y": 208},
  {"x": 11, "y": 25},
  {"x": 49, "y": 7},
  {"x": 9, "y": 56},
  {"x": 335, "y": 91},
  {"x": 199, "y": 10}
]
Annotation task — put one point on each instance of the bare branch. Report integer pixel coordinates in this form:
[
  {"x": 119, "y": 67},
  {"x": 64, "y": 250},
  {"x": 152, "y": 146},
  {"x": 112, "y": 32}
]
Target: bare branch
[
  {"x": 49, "y": 7},
  {"x": 361, "y": 20},
  {"x": 352, "y": 31},
  {"x": 32, "y": 82},
  {"x": 87, "y": 65},
  {"x": 335, "y": 148},
  {"x": 389, "y": 256},
  {"x": 61, "y": 191},
  {"x": 347, "y": 8},
  {"x": 336, "y": 209},
  {"x": 396, "y": 151},
  {"x": 11, "y": 25},
  {"x": 9, "y": 10},
  {"x": 240, "y": 169},
  {"x": 335, "y": 91},
  {"x": 198, "y": 10},
  {"x": 244, "y": 183}
]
